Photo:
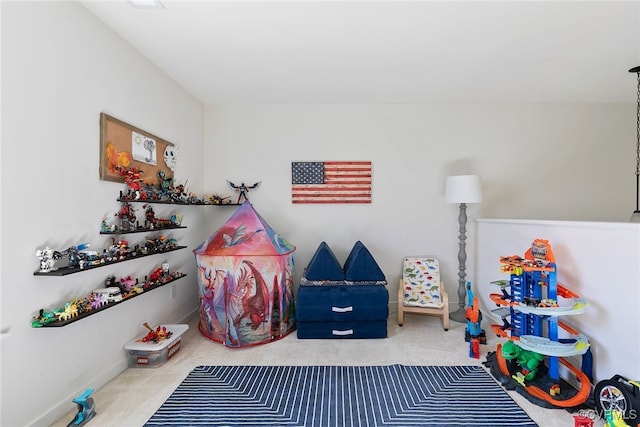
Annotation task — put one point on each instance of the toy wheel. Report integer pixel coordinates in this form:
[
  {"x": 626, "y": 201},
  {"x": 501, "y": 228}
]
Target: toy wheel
[{"x": 612, "y": 395}]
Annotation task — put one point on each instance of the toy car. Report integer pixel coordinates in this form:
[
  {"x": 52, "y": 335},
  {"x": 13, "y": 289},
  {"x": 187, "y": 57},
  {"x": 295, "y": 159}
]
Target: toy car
[
  {"x": 111, "y": 294},
  {"x": 618, "y": 394}
]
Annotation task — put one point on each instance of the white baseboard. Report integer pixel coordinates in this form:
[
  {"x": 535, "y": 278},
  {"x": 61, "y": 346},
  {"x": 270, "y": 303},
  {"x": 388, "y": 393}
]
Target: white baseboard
[{"x": 66, "y": 403}]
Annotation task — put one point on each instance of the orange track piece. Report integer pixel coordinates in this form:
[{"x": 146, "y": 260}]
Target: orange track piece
[
  {"x": 499, "y": 331},
  {"x": 568, "y": 329},
  {"x": 566, "y": 293},
  {"x": 498, "y": 299},
  {"x": 502, "y": 362}
]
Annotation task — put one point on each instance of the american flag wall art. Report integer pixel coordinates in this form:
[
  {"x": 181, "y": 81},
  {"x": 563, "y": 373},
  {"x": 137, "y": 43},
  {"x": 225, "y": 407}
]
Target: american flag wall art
[{"x": 331, "y": 182}]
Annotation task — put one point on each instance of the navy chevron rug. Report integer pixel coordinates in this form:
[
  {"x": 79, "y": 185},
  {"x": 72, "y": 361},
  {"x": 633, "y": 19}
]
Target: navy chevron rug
[{"x": 344, "y": 396}]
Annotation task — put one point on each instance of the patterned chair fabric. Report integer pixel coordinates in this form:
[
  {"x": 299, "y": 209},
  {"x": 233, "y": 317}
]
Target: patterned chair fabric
[
  {"x": 421, "y": 282},
  {"x": 421, "y": 291}
]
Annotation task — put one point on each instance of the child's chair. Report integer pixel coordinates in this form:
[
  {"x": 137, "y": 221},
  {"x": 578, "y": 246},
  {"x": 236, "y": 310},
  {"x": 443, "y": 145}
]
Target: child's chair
[{"x": 421, "y": 291}]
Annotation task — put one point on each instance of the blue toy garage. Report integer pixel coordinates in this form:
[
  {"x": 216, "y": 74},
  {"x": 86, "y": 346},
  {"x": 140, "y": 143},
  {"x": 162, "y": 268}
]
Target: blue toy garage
[{"x": 539, "y": 344}]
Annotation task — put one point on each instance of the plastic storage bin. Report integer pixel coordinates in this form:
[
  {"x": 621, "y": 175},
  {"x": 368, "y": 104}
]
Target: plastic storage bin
[{"x": 152, "y": 355}]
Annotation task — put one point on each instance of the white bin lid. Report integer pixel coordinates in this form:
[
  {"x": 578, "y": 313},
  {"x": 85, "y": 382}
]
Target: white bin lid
[{"x": 178, "y": 331}]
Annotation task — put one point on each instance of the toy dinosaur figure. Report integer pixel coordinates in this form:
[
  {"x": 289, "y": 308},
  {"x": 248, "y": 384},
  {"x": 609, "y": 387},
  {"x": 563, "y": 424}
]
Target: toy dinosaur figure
[{"x": 526, "y": 359}]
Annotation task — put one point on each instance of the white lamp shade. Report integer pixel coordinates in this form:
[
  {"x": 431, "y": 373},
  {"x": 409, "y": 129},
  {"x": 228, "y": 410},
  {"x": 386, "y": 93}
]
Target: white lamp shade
[{"x": 463, "y": 189}]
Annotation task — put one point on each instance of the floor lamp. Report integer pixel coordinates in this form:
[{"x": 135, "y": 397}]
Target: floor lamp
[{"x": 462, "y": 189}]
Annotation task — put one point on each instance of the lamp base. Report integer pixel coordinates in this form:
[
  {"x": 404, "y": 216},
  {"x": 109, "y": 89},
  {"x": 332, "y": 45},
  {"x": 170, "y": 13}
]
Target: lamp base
[
  {"x": 635, "y": 217},
  {"x": 459, "y": 316}
]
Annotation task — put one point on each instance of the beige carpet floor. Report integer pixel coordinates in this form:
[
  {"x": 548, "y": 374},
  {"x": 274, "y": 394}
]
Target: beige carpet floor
[{"x": 132, "y": 397}]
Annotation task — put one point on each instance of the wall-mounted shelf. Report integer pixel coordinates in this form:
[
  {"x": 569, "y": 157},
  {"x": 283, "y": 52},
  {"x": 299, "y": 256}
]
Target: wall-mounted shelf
[
  {"x": 144, "y": 230},
  {"x": 60, "y": 323},
  {"x": 78, "y": 309},
  {"x": 171, "y": 202},
  {"x": 64, "y": 271}
]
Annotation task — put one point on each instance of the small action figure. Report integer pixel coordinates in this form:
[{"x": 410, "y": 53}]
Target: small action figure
[
  {"x": 217, "y": 199},
  {"x": 157, "y": 335},
  {"x": 474, "y": 334},
  {"x": 165, "y": 183},
  {"x": 127, "y": 217},
  {"x": 131, "y": 177},
  {"x": 86, "y": 409},
  {"x": 47, "y": 257},
  {"x": 243, "y": 190},
  {"x": 527, "y": 360}
]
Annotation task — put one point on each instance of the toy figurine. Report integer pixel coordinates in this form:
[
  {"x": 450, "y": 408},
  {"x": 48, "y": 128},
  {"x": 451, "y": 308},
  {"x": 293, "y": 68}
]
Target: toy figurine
[
  {"x": 86, "y": 409},
  {"x": 150, "y": 216},
  {"x": 243, "y": 190},
  {"x": 73, "y": 253},
  {"x": 97, "y": 301},
  {"x": 47, "y": 257},
  {"x": 104, "y": 227},
  {"x": 127, "y": 284},
  {"x": 178, "y": 194},
  {"x": 156, "y": 274},
  {"x": 42, "y": 318},
  {"x": 70, "y": 311},
  {"x": 165, "y": 183},
  {"x": 155, "y": 335},
  {"x": 131, "y": 178},
  {"x": 474, "y": 334},
  {"x": 527, "y": 360},
  {"x": 127, "y": 217},
  {"x": 217, "y": 199}
]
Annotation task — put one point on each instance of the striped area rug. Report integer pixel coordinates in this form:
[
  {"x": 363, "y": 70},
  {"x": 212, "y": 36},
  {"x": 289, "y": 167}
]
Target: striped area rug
[{"x": 345, "y": 396}]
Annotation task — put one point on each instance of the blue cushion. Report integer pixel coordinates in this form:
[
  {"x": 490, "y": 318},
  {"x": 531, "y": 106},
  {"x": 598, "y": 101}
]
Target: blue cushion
[
  {"x": 361, "y": 266},
  {"x": 342, "y": 303},
  {"x": 324, "y": 265}
]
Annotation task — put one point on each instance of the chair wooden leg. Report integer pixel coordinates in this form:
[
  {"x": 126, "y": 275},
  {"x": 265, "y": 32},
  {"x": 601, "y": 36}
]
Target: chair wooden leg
[
  {"x": 445, "y": 321},
  {"x": 400, "y": 311}
]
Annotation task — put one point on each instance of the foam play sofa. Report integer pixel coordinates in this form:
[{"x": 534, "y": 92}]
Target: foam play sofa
[{"x": 349, "y": 301}]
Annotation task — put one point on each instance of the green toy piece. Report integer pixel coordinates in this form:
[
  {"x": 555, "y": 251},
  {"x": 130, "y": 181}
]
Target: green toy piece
[{"x": 526, "y": 359}]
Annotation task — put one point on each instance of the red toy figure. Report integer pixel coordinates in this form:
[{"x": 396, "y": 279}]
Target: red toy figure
[
  {"x": 157, "y": 335},
  {"x": 127, "y": 217},
  {"x": 131, "y": 177},
  {"x": 150, "y": 215}
]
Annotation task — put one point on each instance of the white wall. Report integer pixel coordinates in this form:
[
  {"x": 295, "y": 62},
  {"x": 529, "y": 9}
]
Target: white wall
[
  {"x": 61, "y": 67},
  {"x": 536, "y": 161}
]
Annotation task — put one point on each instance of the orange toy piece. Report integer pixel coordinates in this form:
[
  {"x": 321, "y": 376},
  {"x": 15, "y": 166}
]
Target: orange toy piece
[
  {"x": 157, "y": 335},
  {"x": 540, "y": 250},
  {"x": 472, "y": 312}
]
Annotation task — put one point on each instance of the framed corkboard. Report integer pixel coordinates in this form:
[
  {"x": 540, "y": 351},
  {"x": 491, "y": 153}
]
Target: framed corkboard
[{"x": 126, "y": 146}]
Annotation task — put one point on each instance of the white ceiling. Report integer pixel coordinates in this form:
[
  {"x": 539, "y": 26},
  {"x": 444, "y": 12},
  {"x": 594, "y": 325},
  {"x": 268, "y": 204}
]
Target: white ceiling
[{"x": 388, "y": 51}]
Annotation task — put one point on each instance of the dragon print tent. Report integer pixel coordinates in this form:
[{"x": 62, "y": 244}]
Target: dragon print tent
[{"x": 245, "y": 273}]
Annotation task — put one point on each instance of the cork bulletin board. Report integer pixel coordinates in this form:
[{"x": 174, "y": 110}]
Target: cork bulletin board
[{"x": 125, "y": 146}]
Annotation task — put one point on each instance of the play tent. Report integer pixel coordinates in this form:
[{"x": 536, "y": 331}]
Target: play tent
[{"x": 245, "y": 272}]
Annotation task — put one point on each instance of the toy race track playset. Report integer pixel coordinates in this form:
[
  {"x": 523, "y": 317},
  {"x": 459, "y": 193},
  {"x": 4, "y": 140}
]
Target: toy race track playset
[{"x": 538, "y": 343}]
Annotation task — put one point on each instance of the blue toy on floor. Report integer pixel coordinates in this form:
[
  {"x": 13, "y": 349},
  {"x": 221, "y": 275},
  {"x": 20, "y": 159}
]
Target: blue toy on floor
[{"x": 86, "y": 409}]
